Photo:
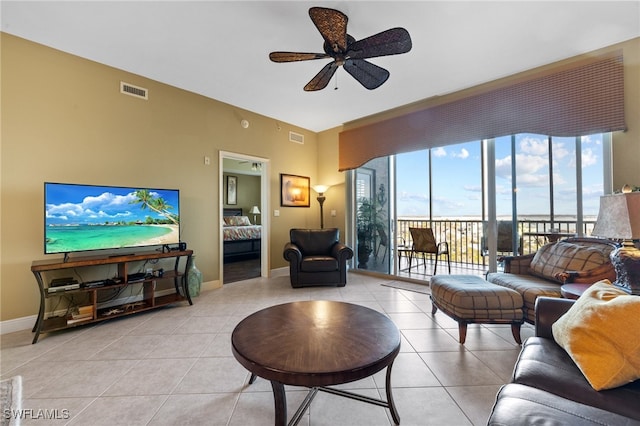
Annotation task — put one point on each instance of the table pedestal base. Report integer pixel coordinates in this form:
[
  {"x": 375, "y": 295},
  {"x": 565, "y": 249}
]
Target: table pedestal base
[
  {"x": 280, "y": 400},
  {"x": 314, "y": 329}
]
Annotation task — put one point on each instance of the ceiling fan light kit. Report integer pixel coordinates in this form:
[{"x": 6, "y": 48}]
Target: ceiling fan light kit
[{"x": 347, "y": 52}]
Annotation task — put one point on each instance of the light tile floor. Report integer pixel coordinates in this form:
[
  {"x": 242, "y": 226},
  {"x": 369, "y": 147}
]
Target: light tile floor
[{"x": 174, "y": 366}]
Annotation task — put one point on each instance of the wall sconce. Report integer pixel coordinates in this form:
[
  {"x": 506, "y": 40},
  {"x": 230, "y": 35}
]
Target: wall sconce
[
  {"x": 321, "y": 189},
  {"x": 254, "y": 211}
]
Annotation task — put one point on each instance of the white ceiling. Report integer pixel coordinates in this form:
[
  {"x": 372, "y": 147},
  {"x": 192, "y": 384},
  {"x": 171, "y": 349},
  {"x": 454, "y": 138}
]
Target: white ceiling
[{"x": 220, "y": 48}]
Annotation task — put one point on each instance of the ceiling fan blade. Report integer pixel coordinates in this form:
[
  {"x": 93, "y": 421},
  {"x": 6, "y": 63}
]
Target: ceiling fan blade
[
  {"x": 323, "y": 78},
  {"x": 369, "y": 75},
  {"x": 295, "y": 56},
  {"x": 332, "y": 25},
  {"x": 389, "y": 42}
]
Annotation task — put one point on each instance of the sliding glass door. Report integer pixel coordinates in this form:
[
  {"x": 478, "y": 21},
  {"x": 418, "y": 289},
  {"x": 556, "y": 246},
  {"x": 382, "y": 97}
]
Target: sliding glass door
[
  {"x": 373, "y": 216},
  {"x": 530, "y": 190}
]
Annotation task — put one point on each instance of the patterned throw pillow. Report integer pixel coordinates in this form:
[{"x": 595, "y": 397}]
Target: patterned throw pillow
[
  {"x": 562, "y": 256},
  {"x": 237, "y": 220}
]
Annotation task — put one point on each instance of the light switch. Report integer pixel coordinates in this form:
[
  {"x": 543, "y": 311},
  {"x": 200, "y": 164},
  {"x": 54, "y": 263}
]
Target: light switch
[
  {"x": 276, "y": 213},
  {"x": 333, "y": 213}
]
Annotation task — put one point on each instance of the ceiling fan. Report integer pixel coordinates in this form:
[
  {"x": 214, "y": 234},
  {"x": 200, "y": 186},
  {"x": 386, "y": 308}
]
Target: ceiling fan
[{"x": 348, "y": 52}]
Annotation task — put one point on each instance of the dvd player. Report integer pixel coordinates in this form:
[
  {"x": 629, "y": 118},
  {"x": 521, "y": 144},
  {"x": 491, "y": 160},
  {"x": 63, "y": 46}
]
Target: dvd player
[
  {"x": 57, "y": 282},
  {"x": 63, "y": 288},
  {"x": 138, "y": 276},
  {"x": 95, "y": 283}
]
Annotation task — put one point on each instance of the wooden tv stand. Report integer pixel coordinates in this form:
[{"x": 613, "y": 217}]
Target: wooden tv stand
[{"x": 92, "y": 311}]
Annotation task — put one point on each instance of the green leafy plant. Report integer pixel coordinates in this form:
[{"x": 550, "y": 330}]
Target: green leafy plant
[{"x": 370, "y": 215}]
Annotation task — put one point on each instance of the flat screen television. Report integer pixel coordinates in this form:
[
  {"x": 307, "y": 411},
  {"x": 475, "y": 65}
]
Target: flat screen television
[{"x": 91, "y": 217}]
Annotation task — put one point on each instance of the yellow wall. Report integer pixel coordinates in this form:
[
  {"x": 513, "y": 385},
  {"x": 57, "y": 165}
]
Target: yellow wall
[
  {"x": 328, "y": 174},
  {"x": 248, "y": 193},
  {"x": 626, "y": 145},
  {"x": 64, "y": 120}
]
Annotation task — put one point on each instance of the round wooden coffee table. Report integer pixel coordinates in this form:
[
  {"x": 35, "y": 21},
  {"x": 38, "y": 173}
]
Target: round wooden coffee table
[{"x": 317, "y": 344}]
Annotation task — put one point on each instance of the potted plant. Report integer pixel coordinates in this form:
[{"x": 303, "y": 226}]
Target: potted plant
[
  {"x": 370, "y": 215},
  {"x": 365, "y": 229}
]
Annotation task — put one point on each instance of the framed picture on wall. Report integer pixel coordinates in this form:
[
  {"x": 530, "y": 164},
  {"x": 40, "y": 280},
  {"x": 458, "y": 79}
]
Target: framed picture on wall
[
  {"x": 232, "y": 190},
  {"x": 294, "y": 190}
]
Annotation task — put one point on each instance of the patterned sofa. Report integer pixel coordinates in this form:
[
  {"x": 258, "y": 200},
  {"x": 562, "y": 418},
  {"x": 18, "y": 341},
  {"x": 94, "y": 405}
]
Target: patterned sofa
[{"x": 572, "y": 260}]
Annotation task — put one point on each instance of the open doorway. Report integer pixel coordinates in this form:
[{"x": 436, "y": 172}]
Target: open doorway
[{"x": 244, "y": 224}]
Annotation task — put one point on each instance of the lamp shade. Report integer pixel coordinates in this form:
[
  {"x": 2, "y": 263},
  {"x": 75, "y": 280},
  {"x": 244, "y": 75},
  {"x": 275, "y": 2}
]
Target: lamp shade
[
  {"x": 619, "y": 217},
  {"x": 320, "y": 189},
  {"x": 254, "y": 210}
]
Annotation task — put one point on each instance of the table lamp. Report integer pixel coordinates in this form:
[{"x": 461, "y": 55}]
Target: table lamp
[
  {"x": 321, "y": 189},
  {"x": 254, "y": 211},
  {"x": 619, "y": 219}
]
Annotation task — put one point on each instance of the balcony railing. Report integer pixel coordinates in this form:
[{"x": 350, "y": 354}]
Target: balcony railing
[{"x": 465, "y": 236}]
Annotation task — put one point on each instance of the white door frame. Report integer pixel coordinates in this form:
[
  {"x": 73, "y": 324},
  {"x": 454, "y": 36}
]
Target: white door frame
[{"x": 265, "y": 208}]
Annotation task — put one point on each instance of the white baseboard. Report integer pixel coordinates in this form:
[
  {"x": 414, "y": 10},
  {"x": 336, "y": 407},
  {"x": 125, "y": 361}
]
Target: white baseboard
[
  {"x": 17, "y": 324},
  {"x": 280, "y": 272}
]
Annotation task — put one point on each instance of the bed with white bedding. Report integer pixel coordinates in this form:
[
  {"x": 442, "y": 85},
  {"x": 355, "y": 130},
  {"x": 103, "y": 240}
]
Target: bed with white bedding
[{"x": 241, "y": 238}]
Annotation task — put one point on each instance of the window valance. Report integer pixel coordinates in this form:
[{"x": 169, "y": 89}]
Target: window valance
[{"x": 580, "y": 98}]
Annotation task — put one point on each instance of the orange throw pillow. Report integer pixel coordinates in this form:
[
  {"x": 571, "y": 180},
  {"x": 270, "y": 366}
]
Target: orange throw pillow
[{"x": 601, "y": 333}]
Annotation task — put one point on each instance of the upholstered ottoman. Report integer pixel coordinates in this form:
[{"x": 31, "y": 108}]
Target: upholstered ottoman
[{"x": 469, "y": 299}]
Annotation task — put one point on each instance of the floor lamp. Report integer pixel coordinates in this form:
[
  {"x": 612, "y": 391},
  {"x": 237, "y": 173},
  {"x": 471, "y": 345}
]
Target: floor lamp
[{"x": 321, "y": 189}]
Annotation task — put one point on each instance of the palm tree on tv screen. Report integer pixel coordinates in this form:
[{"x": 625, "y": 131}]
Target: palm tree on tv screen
[{"x": 157, "y": 204}]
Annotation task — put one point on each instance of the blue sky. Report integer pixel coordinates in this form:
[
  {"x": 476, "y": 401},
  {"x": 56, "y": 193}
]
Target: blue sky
[
  {"x": 457, "y": 178},
  {"x": 82, "y": 204}
]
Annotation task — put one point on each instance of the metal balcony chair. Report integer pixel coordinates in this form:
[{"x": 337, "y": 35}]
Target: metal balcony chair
[
  {"x": 504, "y": 242},
  {"x": 425, "y": 243},
  {"x": 383, "y": 240}
]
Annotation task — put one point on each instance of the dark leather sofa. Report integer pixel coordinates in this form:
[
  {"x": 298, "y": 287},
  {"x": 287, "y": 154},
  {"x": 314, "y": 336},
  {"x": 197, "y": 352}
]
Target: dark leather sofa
[
  {"x": 317, "y": 257},
  {"x": 547, "y": 388}
]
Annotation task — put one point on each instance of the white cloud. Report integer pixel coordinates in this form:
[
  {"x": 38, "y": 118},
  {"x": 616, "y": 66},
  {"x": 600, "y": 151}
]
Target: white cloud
[
  {"x": 463, "y": 154},
  {"x": 500, "y": 189},
  {"x": 531, "y": 169},
  {"x": 105, "y": 205},
  {"x": 534, "y": 146},
  {"x": 439, "y": 152},
  {"x": 529, "y": 180},
  {"x": 589, "y": 157},
  {"x": 526, "y": 164},
  {"x": 410, "y": 196},
  {"x": 559, "y": 150},
  {"x": 503, "y": 167},
  {"x": 593, "y": 191},
  {"x": 558, "y": 179},
  {"x": 589, "y": 140}
]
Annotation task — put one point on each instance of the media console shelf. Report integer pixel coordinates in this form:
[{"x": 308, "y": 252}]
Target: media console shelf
[{"x": 93, "y": 311}]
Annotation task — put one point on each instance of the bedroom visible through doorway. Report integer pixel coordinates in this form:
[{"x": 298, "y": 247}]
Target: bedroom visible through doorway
[{"x": 243, "y": 230}]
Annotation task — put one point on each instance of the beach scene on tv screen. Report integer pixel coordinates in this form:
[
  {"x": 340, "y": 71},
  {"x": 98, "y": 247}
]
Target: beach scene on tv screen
[{"x": 83, "y": 218}]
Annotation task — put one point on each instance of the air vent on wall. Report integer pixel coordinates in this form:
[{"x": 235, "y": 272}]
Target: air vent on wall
[
  {"x": 296, "y": 137},
  {"x": 131, "y": 90}
]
